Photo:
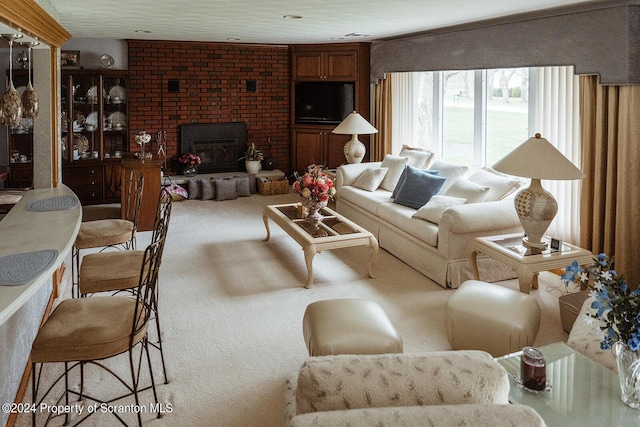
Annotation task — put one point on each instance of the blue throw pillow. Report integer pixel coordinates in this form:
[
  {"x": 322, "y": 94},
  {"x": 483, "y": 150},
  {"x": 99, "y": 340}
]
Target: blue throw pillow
[
  {"x": 403, "y": 176},
  {"x": 418, "y": 187}
]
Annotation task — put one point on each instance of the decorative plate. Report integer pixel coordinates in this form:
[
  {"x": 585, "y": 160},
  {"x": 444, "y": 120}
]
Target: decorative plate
[
  {"x": 92, "y": 94},
  {"x": 79, "y": 140},
  {"x": 118, "y": 120},
  {"x": 117, "y": 91},
  {"x": 92, "y": 119},
  {"x": 107, "y": 61}
]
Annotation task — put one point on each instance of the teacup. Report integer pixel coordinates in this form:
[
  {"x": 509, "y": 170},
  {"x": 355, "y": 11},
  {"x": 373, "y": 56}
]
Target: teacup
[
  {"x": 23, "y": 158},
  {"x": 90, "y": 128},
  {"x": 118, "y": 154}
]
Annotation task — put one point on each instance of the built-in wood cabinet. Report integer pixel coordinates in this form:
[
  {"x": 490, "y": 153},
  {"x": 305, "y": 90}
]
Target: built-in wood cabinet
[
  {"x": 94, "y": 128},
  {"x": 347, "y": 63},
  {"x": 335, "y": 64},
  {"x": 317, "y": 145}
]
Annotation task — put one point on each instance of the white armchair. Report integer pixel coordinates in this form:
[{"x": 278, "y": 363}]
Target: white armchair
[{"x": 439, "y": 388}]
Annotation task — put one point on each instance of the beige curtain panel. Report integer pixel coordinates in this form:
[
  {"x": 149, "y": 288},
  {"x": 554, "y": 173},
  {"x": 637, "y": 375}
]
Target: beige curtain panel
[
  {"x": 381, "y": 142},
  {"x": 610, "y": 217}
]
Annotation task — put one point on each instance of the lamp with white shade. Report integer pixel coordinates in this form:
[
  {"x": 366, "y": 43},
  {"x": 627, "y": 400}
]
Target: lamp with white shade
[
  {"x": 354, "y": 124},
  {"x": 537, "y": 159}
]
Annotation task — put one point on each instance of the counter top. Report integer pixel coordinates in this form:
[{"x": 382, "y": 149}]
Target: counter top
[{"x": 22, "y": 230}]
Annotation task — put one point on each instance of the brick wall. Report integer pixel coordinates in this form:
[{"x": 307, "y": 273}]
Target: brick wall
[{"x": 212, "y": 80}]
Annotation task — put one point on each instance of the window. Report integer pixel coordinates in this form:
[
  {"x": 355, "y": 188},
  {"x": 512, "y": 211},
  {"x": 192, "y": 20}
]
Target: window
[{"x": 473, "y": 117}]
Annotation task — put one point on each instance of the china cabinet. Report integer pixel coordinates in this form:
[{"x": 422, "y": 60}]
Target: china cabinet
[
  {"x": 94, "y": 132},
  {"x": 341, "y": 69}
]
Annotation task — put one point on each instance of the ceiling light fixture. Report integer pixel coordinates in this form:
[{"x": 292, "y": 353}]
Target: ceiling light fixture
[
  {"x": 292, "y": 16},
  {"x": 356, "y": 35},
  {"x": 142, "y": 31},
  {"x": 232, "y": 39}
]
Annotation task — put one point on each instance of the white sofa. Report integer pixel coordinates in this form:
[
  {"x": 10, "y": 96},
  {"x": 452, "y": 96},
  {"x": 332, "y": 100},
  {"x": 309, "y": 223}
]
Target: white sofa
[
  {"x": 439, "y": 251},
  {"x": 449, "y": 388}
]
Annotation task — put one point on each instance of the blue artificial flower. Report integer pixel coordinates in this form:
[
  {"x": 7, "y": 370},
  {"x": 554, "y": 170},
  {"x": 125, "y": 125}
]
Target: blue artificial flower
[
  {"x": 634, "y": 343},
  {"x": 602, "y": 259}
]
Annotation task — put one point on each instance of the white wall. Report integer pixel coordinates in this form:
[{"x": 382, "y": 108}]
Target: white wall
[{"x": 91, "y": 49}]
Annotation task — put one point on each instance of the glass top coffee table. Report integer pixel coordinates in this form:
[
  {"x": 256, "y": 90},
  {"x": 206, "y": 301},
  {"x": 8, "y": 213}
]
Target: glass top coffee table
[
  {"x": 333, "y": 232},
  {"x": 580, "y": 392}
]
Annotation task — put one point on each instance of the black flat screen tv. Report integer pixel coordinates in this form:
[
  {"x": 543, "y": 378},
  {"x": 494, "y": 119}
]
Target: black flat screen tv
[{"x": 324, "y": 102}]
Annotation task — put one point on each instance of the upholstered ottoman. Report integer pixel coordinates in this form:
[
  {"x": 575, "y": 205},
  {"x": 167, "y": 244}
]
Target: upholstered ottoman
[
  {"x": 498, "y": 320},
  {"x": 348, "y": 326}
]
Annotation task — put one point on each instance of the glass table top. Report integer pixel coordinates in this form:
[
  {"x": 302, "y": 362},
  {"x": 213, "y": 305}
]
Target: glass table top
[
  {"x": 580, "y": 392},
  {"x": 329, "y": 226}
]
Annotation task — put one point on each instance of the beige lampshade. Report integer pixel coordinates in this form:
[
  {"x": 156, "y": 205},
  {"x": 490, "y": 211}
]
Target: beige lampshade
[
  {"x": 354, "y": 124},
  {"x": 537, "y": 158}
]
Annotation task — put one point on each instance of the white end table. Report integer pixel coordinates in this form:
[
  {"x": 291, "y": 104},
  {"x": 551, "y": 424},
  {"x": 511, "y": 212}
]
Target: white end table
[{"x": 508, "y": 249}]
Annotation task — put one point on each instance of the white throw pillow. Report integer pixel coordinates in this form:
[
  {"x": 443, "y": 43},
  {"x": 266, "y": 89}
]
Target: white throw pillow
[
  {"x": 396, "y": 165},
  {"x": 371, "y": 178},
  {"x": 449, "y": 170},
  {"x": 436, "y": 206},
  {"x": 418, "y": 157},
  {"x": 501, "y": 185},
  {"x": 465, "y": 189}
]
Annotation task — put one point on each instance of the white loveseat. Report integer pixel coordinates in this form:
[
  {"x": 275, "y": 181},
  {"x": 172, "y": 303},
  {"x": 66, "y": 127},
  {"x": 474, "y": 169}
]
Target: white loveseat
[
  {"x": 439, "y": 251},
  {"x": 449, "y": 388}
]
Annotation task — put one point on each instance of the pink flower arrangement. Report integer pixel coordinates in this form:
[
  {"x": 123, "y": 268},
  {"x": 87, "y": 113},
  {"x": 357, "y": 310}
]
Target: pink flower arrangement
[
  {"x": 314, "y": 185},
  {"x": 190, "y": 159}
]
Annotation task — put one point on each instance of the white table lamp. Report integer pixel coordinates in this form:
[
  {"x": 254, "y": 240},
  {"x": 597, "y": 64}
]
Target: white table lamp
[
  {"x": 354, "y": 124},
  {"x": 537, "y": 159}
]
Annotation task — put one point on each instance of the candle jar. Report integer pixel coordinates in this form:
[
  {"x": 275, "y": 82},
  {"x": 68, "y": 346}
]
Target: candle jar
[{"x": 533, "y": 369}]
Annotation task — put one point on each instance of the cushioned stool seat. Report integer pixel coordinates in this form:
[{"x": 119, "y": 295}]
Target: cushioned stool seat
[
  {"x": 348, "y": 326},
  {"x": 498, "y": 320}
]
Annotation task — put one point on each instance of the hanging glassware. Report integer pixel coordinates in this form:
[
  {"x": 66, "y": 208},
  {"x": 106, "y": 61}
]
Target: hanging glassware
[
  {"x": 30, "y": 104},
  {"x": 10, "y": 103}
]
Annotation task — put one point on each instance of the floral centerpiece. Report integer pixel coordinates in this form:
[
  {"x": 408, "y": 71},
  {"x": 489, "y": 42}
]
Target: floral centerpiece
[
  {"x": 142, "y": 139},
  {"x": 190, "y": 162},
  {"x": 315, "y": 188},
  {"x": 617, "y": 309}
]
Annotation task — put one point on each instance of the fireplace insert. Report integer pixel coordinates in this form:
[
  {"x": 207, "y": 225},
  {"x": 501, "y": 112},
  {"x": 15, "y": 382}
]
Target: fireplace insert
[{"x": 219, "y": 145}]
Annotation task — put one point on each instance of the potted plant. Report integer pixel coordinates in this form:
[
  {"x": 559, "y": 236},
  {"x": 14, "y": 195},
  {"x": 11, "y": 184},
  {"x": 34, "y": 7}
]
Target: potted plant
[{"x": 252, "y": 159}]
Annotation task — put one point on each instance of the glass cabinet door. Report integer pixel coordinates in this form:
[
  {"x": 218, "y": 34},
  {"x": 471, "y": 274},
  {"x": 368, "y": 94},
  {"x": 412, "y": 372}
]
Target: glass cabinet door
[
  {"x": 115, "y": 116},
  {"x": 93, "y": 116}
]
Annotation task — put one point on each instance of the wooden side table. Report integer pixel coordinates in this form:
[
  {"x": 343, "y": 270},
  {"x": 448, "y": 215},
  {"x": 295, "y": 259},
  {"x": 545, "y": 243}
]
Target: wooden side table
[
  {"x": 151, "y": 190},
  {"x": 508, "y": 250}
]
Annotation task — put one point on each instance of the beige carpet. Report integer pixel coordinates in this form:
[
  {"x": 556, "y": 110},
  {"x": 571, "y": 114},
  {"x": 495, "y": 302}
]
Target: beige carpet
[{"x": 232, "y": 308}]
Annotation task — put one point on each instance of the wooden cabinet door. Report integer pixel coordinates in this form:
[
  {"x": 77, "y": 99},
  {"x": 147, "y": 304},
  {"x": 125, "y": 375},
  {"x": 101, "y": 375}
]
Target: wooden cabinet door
[
  {"x": 112, "y": 182},
  {"x": 310, "y": 148},
  {"x": 335, "y": 149},
  {"x": 341, "y": 65},
  {"x": 307, "y": 66}
]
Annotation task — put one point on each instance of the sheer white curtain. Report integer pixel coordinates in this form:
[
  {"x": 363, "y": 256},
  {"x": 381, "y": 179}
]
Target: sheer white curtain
[
  {"x": 404, "y": 103},
  {"x": 556, "y": 116}
]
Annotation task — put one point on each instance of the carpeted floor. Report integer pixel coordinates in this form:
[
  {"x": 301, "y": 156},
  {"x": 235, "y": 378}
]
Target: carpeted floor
[{"x": 231, "y": 308}]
